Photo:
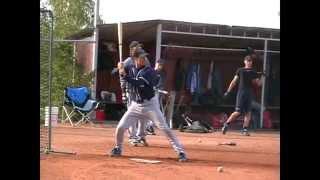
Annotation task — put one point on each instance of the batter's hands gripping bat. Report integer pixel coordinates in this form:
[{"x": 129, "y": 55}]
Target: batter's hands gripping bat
[{"x": 121, "y": 69}]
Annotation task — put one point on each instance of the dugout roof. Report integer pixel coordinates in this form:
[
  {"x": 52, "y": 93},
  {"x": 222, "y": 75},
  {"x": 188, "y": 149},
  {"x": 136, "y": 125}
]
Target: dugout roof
[{"x": 189, "y": 34}]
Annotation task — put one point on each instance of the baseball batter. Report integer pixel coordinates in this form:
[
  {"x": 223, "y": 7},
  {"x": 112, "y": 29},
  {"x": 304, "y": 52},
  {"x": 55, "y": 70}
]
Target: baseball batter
[
  {"x": 135, "y": 136},
  {"x": 144, "y": 105}
]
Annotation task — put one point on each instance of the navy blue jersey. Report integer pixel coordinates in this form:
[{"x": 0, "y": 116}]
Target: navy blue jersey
[
  {"x": 143, "y": 82},
  {"x": 128, "y": 64}
]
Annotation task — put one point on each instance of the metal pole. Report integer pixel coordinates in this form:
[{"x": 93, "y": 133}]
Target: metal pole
[
  {"x": 158, "y": 43},
  {"x": 73, "y": 62},
  {"x": 49, "y": 93},
  {"x": 213, "y": 49},
  {"x": 219, "y": 35},
  {"x": 263, "y": 83},
  {"x": 69, "y": 40},
  {"x": 50, "y": 79},
  {"x": 95, "y": 50}
]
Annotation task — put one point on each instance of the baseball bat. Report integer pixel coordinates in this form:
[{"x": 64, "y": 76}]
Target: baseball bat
[
  {"x": 120, "y": 52},
  {"x": 120, "y": 40},
  {"x": 115, "y": 70}
]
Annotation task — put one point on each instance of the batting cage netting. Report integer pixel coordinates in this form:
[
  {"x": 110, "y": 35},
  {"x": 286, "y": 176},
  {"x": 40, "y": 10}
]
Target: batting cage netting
[
  {"x": 62, "y": 65},
  {"x": 46, "y": 22}
]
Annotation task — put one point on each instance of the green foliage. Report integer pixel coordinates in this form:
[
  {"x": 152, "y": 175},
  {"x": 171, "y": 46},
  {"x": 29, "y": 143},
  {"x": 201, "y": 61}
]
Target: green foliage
[
  {"x": 45, "y": 22},
  {"x": 63, "y": 68},
  {"x": 70, "y": 16}
]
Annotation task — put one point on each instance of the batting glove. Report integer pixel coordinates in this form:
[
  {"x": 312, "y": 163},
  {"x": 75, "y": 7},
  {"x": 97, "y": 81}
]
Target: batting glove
[{"x": 124, "y": 98}]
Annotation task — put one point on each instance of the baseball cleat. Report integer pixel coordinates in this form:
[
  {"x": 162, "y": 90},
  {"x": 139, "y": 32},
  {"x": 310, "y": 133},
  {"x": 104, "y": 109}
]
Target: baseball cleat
[
  {"x": 150, "y": 131},
  {"x": 134, "y": 142},
  {"x": 182, "y": 157},
  {"x": 143, "y": 141},
  {"x": 115, "y": 152},
  {"x": 225, "y": 128},
  {"x": 245, "y": 132}
]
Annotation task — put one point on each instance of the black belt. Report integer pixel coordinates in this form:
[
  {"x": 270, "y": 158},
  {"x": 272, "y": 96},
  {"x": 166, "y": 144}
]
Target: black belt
[{"x": 142, "y": 100}]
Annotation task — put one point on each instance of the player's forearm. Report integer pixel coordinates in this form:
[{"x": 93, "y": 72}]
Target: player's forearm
[
  {"x": 134, "y": 82},
  {"x": 231, "y": 86}
]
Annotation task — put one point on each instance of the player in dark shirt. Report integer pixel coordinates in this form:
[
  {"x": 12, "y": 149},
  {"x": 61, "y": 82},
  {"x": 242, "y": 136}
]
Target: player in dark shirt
[{"x": 246, "y": 77}]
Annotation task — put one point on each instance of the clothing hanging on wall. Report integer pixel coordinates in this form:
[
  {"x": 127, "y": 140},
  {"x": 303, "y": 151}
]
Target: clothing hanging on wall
[
  {"x": 216, "y": 82},
  {"x": 209, "y": 82},
  {"x": 193, "y": 82},
  {"x": 193, "y": 78},
  {"x": 213, "y": 96}
]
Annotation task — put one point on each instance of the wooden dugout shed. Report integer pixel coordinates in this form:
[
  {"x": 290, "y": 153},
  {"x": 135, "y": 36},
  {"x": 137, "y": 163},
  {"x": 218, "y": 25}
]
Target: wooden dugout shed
[{"x": 189, "y": 43}]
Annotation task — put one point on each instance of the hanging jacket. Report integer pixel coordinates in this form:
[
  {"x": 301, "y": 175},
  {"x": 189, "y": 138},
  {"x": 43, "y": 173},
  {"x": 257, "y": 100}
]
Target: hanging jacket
[
  {"x": 209, "y": 82},
  {"x": 193, "y": 78},
  {"x": 216, "y": 82}
]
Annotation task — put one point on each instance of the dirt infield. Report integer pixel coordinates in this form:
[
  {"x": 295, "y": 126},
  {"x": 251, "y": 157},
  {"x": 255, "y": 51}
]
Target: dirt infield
[{"x": 255, "y": 157}]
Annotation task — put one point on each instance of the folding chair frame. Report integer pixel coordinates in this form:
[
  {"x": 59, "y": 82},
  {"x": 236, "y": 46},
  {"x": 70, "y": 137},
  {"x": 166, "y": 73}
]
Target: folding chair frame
[
  {"x": 68, "y": 115},
  {"x": 85, "y": 116}
]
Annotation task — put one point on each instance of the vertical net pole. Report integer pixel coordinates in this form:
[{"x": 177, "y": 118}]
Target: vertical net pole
[
  {"x": 44, "y": 79},
  {"x": 50, "y": 78}
]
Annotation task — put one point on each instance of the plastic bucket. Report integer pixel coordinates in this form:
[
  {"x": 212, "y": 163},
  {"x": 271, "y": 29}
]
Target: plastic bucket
[
  {"x": 100, "y": 115},
  {"x": 54, "y": 116}
]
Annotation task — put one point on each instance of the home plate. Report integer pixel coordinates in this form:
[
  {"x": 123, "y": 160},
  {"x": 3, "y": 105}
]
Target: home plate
[{"x": 145, "y": 161}]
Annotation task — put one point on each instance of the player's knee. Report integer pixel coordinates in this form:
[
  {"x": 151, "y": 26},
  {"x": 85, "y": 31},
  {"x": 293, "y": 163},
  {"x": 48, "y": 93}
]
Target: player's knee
[{"x": 236, "y": 113}]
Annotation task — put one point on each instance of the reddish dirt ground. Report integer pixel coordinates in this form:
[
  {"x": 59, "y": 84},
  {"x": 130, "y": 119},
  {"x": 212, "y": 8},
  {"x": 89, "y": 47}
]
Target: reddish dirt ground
[{"x": 254, "y": 157}]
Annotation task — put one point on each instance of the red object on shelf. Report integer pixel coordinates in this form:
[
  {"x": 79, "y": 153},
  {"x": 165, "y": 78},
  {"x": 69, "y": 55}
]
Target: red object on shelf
[
  {"x": 267, "y": 121},
  {"x": 100, "y": 115}
]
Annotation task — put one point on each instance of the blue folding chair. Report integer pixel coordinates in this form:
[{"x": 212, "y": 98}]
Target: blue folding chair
[{"x": 79, "y": 99}]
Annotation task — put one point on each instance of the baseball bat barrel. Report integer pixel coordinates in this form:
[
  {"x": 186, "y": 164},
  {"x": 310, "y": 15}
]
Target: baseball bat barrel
[{"x": 120, "y": 40}]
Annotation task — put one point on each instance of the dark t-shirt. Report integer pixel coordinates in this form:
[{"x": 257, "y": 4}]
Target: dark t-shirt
[{"x": 246, "y": 75}]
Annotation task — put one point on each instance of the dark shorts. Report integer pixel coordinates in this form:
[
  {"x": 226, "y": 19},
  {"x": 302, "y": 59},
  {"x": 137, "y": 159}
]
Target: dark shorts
[{"x": 244, "y": 100}]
